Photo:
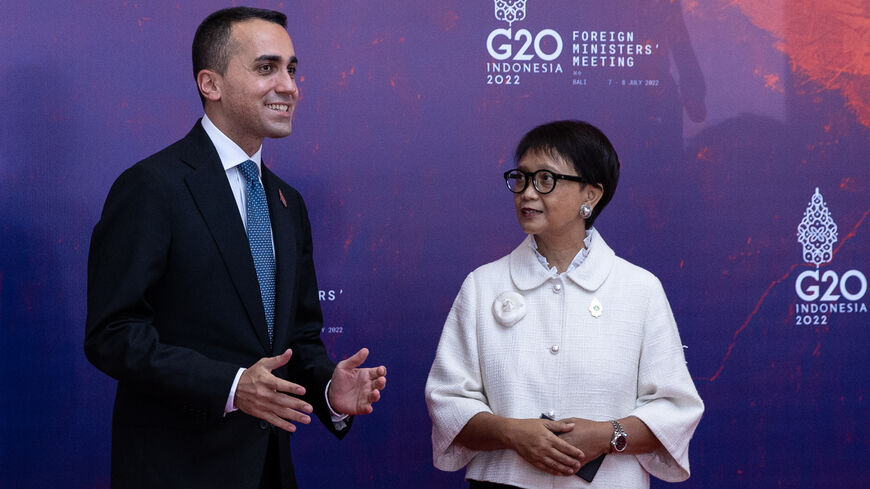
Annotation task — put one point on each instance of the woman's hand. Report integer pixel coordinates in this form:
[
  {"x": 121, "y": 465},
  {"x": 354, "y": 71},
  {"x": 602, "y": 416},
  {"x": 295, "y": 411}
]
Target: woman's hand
[
  {"x": 536, "y": 442},
  {"x": 533, "y": 439},
  {"x": 591, "y": 437}
]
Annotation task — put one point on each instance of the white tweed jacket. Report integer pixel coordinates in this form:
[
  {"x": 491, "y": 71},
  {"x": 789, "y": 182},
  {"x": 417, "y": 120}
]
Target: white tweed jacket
[{"x": 520, "y": 342}]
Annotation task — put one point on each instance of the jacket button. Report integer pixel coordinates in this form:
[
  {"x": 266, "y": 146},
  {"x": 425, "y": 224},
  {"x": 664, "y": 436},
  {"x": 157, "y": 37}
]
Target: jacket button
[{"x": 264, "y": 425}]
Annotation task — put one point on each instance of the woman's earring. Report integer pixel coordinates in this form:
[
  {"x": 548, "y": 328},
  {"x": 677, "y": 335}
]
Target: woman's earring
[{"x": 585, "y": 211}]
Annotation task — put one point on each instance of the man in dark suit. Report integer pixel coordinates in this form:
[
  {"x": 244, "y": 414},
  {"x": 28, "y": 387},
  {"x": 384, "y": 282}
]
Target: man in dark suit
[{"x": 202, "y": 298}]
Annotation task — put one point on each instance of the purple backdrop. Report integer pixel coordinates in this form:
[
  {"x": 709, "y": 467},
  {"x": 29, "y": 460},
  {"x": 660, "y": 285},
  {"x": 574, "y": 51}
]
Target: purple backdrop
[{"x": 727, "y": 116}]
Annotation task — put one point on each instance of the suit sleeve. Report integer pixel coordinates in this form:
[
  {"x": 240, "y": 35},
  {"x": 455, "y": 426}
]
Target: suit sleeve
[
  {"x": 126, "y": 265},
  {"x": 310, "y": 364}
]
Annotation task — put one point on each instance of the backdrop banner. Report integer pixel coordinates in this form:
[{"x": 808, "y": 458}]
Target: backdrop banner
[{"x": 743, "y": 128}]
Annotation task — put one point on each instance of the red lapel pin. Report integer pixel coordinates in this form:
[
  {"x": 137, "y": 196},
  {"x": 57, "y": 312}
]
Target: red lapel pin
[{"x": 281, "y": 196}]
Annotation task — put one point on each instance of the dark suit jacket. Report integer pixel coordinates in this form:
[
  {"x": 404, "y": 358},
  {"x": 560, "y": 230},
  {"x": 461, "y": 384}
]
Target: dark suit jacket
[{"x": 174, "y": 310}]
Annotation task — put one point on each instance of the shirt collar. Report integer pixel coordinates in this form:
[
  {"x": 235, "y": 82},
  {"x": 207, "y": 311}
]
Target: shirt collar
[{"x": 230, "y": 153}]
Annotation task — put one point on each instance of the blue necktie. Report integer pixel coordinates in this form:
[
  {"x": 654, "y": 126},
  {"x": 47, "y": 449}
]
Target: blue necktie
[{"x": 260, "y": 240}]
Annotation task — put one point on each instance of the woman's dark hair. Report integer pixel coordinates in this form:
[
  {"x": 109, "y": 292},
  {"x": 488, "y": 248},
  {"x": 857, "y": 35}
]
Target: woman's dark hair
[
  {"x": 211, "y": 43},
  {"x": 582, "y": 145}
]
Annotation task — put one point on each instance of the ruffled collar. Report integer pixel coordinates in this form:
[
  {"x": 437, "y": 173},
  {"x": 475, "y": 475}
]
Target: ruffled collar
[
  {"x": 578, "y": 259},
  {"x": 527, "y": 272}
]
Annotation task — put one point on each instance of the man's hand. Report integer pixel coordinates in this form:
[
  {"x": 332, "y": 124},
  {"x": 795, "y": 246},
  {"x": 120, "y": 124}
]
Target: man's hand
[
  {"x": 353, "y": 390},
  {"x": 264, "y": 396},
  {"x": 535, "y": 441}
]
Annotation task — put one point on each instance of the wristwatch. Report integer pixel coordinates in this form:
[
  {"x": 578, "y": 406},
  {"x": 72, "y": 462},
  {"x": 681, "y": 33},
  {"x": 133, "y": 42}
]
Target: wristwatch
[{"x": 619, "y": 441}]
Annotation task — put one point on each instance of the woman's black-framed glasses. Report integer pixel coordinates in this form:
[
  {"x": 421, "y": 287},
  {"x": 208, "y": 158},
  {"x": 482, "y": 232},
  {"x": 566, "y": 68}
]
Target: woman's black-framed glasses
[{"x": 544, "y": 181}]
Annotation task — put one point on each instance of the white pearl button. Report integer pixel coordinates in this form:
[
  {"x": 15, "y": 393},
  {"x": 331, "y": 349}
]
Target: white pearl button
[
  {"x": 557, "y": 288},
  {"x": 554, "y": 349}
]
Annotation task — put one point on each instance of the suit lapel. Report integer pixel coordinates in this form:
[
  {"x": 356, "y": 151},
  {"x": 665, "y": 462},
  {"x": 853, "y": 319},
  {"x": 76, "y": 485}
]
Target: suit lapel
[
  {"x": 282, "y": 207},
  {"x": 214, "y": 198}
]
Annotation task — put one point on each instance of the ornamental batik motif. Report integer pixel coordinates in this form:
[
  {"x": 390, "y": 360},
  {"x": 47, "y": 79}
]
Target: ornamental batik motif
[
  {"x": 817, "y": 232},
  {"x": 510, "y": 11}
]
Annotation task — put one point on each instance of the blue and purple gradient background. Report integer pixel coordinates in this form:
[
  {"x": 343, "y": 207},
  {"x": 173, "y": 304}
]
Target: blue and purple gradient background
[{"x": 398, "y": 147}]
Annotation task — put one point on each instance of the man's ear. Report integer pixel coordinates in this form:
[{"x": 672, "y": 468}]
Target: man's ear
[{"x": 209, "y": 84}]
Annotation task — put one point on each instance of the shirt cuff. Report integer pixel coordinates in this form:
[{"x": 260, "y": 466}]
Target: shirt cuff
[
  {"x": 337, "y": 419},
  {"x": 231, "y": 400}
]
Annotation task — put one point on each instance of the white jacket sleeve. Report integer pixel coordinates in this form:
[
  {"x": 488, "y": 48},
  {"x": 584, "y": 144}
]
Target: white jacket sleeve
[
  {"x": 667, "y": 400},
  {"x": 454, "y": 389}
]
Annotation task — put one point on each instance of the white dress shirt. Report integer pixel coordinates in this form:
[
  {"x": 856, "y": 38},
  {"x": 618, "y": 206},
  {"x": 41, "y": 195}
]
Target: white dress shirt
[{"x": 231, "y": 156}]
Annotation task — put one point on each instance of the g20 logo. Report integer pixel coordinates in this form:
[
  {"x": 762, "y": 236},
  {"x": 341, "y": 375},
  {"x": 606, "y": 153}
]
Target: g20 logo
[
  {"x": 817, "y": 233},
  {"x": 508, "y": 38},
  {"x": 851, "y": 286}
]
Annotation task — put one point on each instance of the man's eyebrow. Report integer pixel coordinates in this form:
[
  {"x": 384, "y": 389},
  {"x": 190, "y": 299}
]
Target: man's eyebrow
[{"x": 276, "y": 58}]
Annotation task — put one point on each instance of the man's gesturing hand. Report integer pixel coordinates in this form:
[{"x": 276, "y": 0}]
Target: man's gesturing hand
[
  {"x": 264, "y": 396},
  {"x": 353, "y": 390}
]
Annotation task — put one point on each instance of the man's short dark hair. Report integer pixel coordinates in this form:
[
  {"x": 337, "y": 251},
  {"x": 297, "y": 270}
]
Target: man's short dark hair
[
  {"x": 212, "y": 42},
  {"x": 584, "y": 147}
]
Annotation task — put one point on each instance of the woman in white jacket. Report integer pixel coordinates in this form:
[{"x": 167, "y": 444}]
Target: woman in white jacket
[{"x": 562, "y": 356}]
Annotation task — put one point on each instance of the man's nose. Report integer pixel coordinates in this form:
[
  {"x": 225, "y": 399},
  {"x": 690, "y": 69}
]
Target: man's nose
[{"x": 287, "y": 84}]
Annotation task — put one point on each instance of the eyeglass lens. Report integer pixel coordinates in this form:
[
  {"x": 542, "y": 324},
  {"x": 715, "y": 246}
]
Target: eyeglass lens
[{"x": 544, "y": 181}]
